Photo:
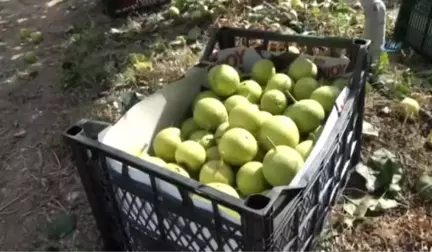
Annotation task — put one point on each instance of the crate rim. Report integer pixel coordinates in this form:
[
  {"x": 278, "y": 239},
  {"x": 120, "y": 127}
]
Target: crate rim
[{"x": 355, "y": 43}]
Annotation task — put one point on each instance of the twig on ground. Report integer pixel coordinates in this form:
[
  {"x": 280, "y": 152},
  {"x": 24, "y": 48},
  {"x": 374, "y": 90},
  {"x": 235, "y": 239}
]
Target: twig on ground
[{"x": 21, "y": 196}]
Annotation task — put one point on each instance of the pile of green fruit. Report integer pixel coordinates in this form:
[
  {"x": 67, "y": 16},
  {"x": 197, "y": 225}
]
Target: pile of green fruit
[{"x": 246, "y": 136}]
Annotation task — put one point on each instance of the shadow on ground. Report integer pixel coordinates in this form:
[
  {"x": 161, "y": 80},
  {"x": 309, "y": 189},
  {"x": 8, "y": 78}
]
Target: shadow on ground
[{"x": 82, "y": 67}]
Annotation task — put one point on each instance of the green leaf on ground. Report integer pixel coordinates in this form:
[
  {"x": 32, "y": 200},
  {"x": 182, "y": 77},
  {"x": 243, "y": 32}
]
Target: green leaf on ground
[
  {"x": 61, "y": 226},
  {"x": 386, "y": 171}
]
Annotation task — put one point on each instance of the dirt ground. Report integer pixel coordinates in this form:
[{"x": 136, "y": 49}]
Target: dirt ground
[{"x": 39, "y": 181}]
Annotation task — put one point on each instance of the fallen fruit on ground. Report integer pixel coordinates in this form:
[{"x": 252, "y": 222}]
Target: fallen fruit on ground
[
  {"x": 409, "y": 107},
  {"x": 326, "y": 96},
  {"x": 429, "y": 140},
  {"x": 424, "y": 187},
  {"x": 251, "y": 90},
  {"x": 25, "y": 33},
  {"x": 165, "y": 143},
  {"x": 174, "y": 11},
  {"x": 245, "y": 116},
  {"x": 302, "y": 67},
  {"x": 203, "y": 137},
  {"x": 187, "y": 128},
  {"x": 178, "y": 169},
  {"x": 238, "y": 146},
  {"x": 223, "y": 80},
  {"x": 304, "y": 87},
  {"x": 191, "y": 155},
  {"x": 307, "y": 115},
  {"x": 216, "y": 171},
  {"x": 250, "y": 179},
  {"x": 235, "y": 100},
  {"x": 305, "y": 148},
  {"x": 274, "y": 102},
  {"x": 30, "y": 57},
  {"x": 262, "y": 71},
  {"x": 281, "y": 82},
  {"x": 36, "y": 37},
  {"x": 281, "y": 130},
  {"x": 281, "y": 164},
  {"x": 209, "y": 113}
]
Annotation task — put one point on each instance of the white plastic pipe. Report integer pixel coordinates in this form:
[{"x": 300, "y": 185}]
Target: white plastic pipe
[{"x": 374, "y": 26}]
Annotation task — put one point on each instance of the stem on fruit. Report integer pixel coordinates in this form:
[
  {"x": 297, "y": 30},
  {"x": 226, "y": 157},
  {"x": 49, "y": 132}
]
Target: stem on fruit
[
  {"x": 271, "y": 142},
  {"x": 291, "y": 96},
  {"x": 144, "y": 148}
]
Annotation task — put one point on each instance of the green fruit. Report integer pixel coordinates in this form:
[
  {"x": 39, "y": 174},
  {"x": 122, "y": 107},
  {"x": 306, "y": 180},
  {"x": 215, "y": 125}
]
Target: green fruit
[
  {"x": 340, "y": 83},
  {"x": 305, "y": 148},
  {"x": 235, "y": 100},
  {"x": 281, "y": 164},
  {"x": 302, "y": 67},
  {"x": 409, "y": 107},
  {"x": 262, "y": 71},
  {"x": 205, "y": 94},
  {"x": 307, "y": 114},
  {"x": 424, "y": 187},
  {"x": 245, "y": 116},
  {"x": 237, "y": 146},
  {"x": 265, "y": 115},
  {"x": 224, "y": 127},
  {"x": 224, "y": 188},
  {"x": 178, "y": 169},
  {"x": 187, "y": 128},
  {"x": 212, "y": 153},
  {"x": 209, "y": 113},
  {"x": 153, "y": 160},
  {"x": 251, "y": 90},
  {"x": 224, "y": 80},
  {"x": 190, "y": 155},
  {"x": 274, "y": 102},
  {"x": 304, "y": 88},
  {"x": 326, "y": 96},
  {"x": 30, "y": 57},
  {"x": 166, "y": 142},
  {"x": 281, "y": 130},
  {"x": 281, "y": 82},
  {"x": 216, "y": 171},
  {"x": 25, "y": 33},
  {"x": 250, "y": 179},
  {"x": 174, "y": 11},
  {"x": 203, "y": 137},
  {"x": 36, "y": 37},
  {"x": 227, "y": 189},
  {"x": 316, "y": 133}
]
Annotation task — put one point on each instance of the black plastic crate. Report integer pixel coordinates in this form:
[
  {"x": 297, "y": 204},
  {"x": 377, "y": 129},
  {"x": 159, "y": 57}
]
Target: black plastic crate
[
  {"x": 414, "y": 25},
  {"x": 122, "y": 7},
  {"x": 134, "y": 216}
]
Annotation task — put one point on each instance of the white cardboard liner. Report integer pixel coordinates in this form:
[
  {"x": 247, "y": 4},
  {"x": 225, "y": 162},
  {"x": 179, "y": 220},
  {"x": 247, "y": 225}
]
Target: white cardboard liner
[{"x": 167, "y": 107}]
